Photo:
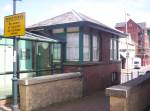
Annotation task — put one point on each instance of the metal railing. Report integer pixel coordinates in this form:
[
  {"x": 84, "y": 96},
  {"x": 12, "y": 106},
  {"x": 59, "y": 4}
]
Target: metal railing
[{"x": 125, "y": 77}]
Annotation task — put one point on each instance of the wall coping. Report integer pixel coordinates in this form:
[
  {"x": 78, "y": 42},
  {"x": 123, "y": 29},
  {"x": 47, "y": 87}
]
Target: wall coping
[
  {"x": 124, "y": 90},
  {"x": 118, "y": 91},
  {"x": 49, "y": 78}
]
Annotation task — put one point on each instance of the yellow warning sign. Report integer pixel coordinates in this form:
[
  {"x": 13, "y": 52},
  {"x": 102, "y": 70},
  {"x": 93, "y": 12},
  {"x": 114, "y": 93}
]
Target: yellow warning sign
[{"x": 14, "y": 25}]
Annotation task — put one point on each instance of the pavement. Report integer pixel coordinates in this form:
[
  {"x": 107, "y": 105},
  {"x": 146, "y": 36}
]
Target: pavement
[
  {"x": 95, "y": 102},
  {"x": 5, "y": 108}
]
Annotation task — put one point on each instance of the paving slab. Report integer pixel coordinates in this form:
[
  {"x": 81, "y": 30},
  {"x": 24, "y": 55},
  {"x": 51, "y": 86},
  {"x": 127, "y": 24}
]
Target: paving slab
[
  {"x": 5, "y": 108},
  {"x": 95, "y": 102}
]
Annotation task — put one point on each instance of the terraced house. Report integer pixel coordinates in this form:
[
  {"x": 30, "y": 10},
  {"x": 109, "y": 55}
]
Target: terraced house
[{"x": 90, "y": 47}]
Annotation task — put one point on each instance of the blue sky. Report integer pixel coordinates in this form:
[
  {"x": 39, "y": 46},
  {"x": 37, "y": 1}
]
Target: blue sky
[{"x": 106, "y": 11}]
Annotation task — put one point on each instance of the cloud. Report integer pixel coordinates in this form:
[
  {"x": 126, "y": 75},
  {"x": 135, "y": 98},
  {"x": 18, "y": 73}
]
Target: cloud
[{"x": 7, "y": 8}]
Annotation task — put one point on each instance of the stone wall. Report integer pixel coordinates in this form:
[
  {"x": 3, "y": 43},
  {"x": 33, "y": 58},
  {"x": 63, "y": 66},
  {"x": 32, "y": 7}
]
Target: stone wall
[
  {"x": 42, "y": 91},
  {"x": 131, "y": 96}
]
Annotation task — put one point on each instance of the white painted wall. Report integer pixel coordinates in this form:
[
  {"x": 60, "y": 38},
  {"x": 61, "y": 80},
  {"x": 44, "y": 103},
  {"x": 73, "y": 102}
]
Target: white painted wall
[{"x": 127, "y": 45}]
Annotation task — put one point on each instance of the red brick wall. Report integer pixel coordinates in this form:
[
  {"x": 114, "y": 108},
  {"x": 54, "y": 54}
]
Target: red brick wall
[{"x": 97, "y": 76}]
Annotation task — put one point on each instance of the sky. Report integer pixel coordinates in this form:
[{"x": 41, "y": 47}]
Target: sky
[{"x": 108, "y": 12}]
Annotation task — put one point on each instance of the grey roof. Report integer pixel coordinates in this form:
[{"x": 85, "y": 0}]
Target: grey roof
[
  {"x": 73, "y": 17},
  {"x": 35, "y": 37},
  {"x": 61, "y": 19},
  {"x": 32, "y": 36},
  {"x": 121, "y": 24},
  {"x": 68, "y": 17},
  {"x": 142, "y": 25}
]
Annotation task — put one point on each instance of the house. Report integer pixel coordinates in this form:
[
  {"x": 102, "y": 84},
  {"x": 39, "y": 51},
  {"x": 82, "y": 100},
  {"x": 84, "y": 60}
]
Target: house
[
  {"x": 139, "y": 36},
  {"x": 91, "y": 48}
]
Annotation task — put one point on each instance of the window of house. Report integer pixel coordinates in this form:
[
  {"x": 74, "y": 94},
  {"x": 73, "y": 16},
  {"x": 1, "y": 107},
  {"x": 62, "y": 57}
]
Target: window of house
[
  {"x": 113, "y": 49},
  {"x": 72, "y": 46},
  {"x": 86, "y": 47},
  {"x": 114, "y": 76},
  {"x": 95, "y": 48}
]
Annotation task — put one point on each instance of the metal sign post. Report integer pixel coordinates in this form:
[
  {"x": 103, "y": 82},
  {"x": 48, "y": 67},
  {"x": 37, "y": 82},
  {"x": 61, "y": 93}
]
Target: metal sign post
[
  {"x": 15, "y": 106},
  {"x": 14, "y": 25}
]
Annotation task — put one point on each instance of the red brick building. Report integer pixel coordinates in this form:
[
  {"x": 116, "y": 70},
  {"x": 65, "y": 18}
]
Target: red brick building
[
  {"x": 91, "y": 47},
  {"x": 138, "y": 32}
]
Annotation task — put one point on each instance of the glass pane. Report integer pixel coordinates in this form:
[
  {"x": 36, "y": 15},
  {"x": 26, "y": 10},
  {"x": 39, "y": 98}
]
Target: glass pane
[
  {"x": 2, "y": 58},
  {"x": 25, "y": 55},
  {"x": 73, "y": 46},
  {"x": 6, "y": 41},
  {"x": 6, "y": 52},
  {"x": 115, "y": 49},
  {"x": 5, "y": 86},
  {"x": 56, "y": 51},
  {"x": 96, "y": 48},
  {"x": 43, "y": 55},
  {"x": 43, "y": 58},
  {"x": 111, "y": 49},
  {"x": 86, "y": 47}
]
